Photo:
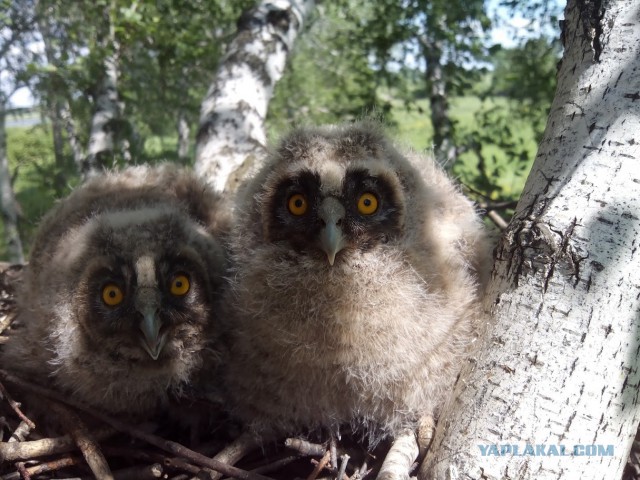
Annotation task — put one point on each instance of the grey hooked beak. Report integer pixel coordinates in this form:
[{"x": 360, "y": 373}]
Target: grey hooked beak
[
  {"x": 152, "y": 340},
  {"x": 332, "y": 239}
]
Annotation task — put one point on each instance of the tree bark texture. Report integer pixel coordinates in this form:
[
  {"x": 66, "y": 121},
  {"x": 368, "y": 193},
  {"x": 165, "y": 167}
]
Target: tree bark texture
[
  {"x": 556, "y": 375},
  {"x": 232, "y": 133}
]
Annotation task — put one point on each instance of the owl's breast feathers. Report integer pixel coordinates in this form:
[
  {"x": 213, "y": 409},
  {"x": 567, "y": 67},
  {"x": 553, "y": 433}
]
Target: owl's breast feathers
[{"x": 369, "y": 334}]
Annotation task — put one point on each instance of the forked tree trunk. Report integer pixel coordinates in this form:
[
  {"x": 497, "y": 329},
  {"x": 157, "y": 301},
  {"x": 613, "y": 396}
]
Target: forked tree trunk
[
  {"x": 557, "y": 374},
  {"x": 232, "y": 133}
]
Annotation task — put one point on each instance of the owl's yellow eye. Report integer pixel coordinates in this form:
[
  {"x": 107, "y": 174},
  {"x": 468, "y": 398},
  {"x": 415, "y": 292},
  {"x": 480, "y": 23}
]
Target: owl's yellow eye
[
  {"x": 298, "y": 204},
  {"x": 367, "y": 204},
  {"x": 180, "y": 285},
  {"x": 112, "y": 295}
]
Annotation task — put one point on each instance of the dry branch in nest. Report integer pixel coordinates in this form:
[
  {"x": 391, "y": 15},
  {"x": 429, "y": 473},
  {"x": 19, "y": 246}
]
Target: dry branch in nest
[{"x": 150, "y": 456}]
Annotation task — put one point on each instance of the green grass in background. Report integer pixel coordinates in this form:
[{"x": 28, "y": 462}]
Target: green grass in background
[{"x": 413, "y": 128}]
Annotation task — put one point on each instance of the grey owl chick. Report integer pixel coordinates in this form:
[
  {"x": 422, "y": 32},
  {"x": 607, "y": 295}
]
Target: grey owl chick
[
  {"x": 355, "y": 288},
  {"x": 120, "y": 289}
]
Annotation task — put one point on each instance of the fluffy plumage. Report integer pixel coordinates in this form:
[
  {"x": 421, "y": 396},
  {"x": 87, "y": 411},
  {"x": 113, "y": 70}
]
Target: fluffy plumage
[
  {"x": 355, "y": 294},
  {"x": 121, "y": 286}
]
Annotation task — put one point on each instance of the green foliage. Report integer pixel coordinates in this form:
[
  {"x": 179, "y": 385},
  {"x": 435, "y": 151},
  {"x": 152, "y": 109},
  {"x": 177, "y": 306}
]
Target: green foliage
[
  {"x": 37, "y": 177},
  {"x": 167, "y": 52},
  {"x": 171, "y": 49},
  {"x": 441, "y": 38},
  {"x": 501, "y": 144},
  {"x": 500, "y": 151},
  {"x": 328, "y": 78},
  {"x": 499, "y": 156},
  {"x": 527, "y": 74}
]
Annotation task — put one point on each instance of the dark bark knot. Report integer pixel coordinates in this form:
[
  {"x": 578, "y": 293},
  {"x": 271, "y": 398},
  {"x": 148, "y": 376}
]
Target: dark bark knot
[
  {"x": 534, "y": 247},
  {"x": 592, "y": 24}
]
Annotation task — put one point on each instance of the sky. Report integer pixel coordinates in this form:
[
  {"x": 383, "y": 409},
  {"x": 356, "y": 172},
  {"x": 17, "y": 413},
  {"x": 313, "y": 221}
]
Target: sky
[
  {"x": 21, "y": 98},
  {"x": 513, "y": 27}
]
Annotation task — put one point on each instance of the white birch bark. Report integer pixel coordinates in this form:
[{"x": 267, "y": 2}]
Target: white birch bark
[
  {"x": 444, "y": 149},
  {"x": 232, "y": 130},
  {"x": 184, "y": 131},
  {"x": 101, "y": 137},
  {"x": 72, "y": 135},
  {"x": 559, "y": 365}
]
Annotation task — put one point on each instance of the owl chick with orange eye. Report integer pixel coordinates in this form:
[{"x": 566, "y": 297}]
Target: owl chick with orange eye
[
  {"x": 356, "y": 290},
  {"x": 121, "y": 290}
]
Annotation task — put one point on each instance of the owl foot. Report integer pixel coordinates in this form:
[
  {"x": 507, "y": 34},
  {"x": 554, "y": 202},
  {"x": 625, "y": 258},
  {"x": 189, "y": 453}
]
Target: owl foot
[
  {"x": 400, "y": 458},
  {"x": 426, "y": 430}
]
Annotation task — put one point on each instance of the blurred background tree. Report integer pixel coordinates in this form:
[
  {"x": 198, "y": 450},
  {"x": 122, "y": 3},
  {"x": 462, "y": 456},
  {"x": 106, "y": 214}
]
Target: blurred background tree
[{"x": 469, "y": 81}]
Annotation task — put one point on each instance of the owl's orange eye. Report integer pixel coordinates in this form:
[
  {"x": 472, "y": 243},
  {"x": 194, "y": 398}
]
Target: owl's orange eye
[
  {"x": 298, "y": 204},
  {"x": 367, "y": 204},
  {"x": 112, "y": 295},
  {"x": 180, "y": 285}
]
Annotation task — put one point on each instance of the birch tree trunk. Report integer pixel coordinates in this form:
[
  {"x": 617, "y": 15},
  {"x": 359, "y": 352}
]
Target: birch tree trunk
[
  {"x": 72, "y": 135},
  {"x": 53, "y": 112},
  {"x": 557, "y": 374},
  {"x": 232, "y": 132},
  {"x": 102, "y": 142},
  {"x": 107, "y": 110},
  {"x": 7, "y": 198},
  {"x": 184, "y": 132},
  {"x": 444, "y": 149}
]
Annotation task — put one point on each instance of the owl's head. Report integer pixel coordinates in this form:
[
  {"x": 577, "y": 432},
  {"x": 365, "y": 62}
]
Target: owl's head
[
  {"x": 140, "y": 283},
  {"x": 332, "y": 190}
]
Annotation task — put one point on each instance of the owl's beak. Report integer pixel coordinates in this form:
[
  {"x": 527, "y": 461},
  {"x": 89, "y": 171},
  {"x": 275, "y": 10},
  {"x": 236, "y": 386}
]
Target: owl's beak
[
  {"x": 152, "y": 340},
  {"x": 332, "y": 239}
]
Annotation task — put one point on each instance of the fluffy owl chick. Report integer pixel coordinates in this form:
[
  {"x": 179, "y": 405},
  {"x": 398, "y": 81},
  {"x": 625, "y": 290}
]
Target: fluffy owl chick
[
  {"x": 356, "y": 285},
  {"x": 121, "y": 286}
]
